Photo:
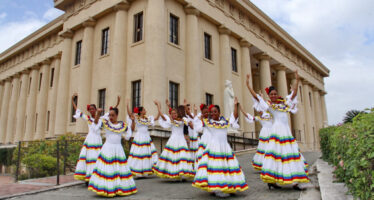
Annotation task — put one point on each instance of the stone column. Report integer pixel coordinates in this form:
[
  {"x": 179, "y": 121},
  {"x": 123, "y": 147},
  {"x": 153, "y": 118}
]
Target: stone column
[
  {"x": 155, "y": 79},
  {"x": 298, "y": 119},
  {"x": 4, "y": 110},
  {"x": 323, "y": 106},
  {"x": 225, "y": 59},
  {"x": 308, "y": 117},
  {"x": 265, "y": 74},
  {"x": 85, "y": 71},
  {"x": 119, "y": 57},
  {"x": 10, "y": 131},
  {"x": 317, "y": 116},
  {"x": 1, "y": 93},
  {"x": 42, "y": 105},
  {"x": 63, "y": 97},
  {"x": 31, "y": 105},
  {"x": 281, "y": 80},
  {"x": 54, "y": 94},
  {"x": 193, "y": 82},
  {"x": 247, "y": 101},
  {"x": 21, "y": 107}
]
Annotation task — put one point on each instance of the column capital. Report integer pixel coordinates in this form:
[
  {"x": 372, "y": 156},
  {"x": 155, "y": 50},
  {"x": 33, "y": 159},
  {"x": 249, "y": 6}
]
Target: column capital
[
  {"x": 279, "y": 67},
  {"x": 123, "y": 5},
  {"x": 262, "y": 56},
  {"x": 191, "y": 10},
  {"x": 90, "y": 22},
  {"x": 322, "y": 93},
  {"x": 66, "y": 34},
  {"x": 223, "y": 30},
  {"x": 58, "y": 55},
  {"x": 305, "y": 82},
  {"x": 245, "y": 43},
  {"x": 47, "y": 61}
]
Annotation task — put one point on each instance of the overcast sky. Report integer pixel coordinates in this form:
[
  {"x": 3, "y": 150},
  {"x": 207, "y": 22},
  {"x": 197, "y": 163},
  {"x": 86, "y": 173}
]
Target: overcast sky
[{"x": 340, "y": 33}]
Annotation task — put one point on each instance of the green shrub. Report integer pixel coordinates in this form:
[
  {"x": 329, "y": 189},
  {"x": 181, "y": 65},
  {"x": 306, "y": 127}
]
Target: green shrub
[
  {"x": 6, "y": 156},
  {"x": 40, "y": 165},
  {"x": 350, "y": 147}
]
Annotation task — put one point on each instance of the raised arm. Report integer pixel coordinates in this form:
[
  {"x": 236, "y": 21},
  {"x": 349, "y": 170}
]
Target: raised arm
[
  {"x": 159, "y": 114},
  {"x": 98, "y": 114},
  {"x": 185, "y": 108},
  {"x": 253, "y": 93},
  {"x": 242, "y": 110},
  {"x": 118, "y": 101},
  {"x": 236, "y": 104},
  {"x": 129, "y": 113},
  {"x": 194, "y": 110},
  {"x": 72, "y": 101},
  {"x": 296, "y": 86},
  {"x": 132, "y": 117}
]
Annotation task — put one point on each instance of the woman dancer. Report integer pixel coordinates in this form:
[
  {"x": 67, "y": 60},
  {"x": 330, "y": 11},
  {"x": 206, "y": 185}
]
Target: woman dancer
[
  {"x": 175, "y": 162},
  {"x": 143, "y": 154},
  {"x": 92, "y": 144},
  {"x": 266, "y": 122},
  {"x": 112, "y": 176},
  {"x": 283, "y": 163},
  {"x": 219, "y": 170},
  {"x": 199, "y": 127}
]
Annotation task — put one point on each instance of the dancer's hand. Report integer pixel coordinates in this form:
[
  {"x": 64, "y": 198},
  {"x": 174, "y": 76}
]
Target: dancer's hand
[{"x": 236, "y": 102}]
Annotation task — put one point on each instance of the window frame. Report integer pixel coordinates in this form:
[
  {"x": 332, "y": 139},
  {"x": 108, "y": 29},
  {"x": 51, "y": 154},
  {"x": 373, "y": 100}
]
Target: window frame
[
  {"x": 101, "y": 98},
  {"x": 136, "y": 88},
  {"x": 105, "y": 41},
  {"x": 207, "y": 97},
  {"x": 78, "y": 52},
  {"x": 138, "y": 34},
  {"x": 51, "y": 83},
  {"x": 72, "y": 119},
  {"x": 208, "y": 55},
  {"x": 174, "y": 94},
  {"x": 234, "y": 60},
  {"x": 174, "y": 31}
]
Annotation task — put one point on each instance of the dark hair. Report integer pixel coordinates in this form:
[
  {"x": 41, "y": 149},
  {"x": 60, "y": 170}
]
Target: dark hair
[
  {"x": 181, "y": 111},
  {"x": 140, "y": 109},
  {"x": 115, "y": 110},
  {"x": 271, "y": 88},
  {"x": 218, "y": 108}
]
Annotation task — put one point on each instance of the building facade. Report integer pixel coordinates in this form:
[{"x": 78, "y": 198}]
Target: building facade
[{"x": 144, "y": 50}]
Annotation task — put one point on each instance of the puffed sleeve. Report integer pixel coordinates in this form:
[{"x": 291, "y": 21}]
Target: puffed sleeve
[
  {"x": 234, "y": 122},
  {"x": 128, "y": 132},
  {"x": 260, "y": 105},
  {"x": 165, "y": 123},
  {"x": 105, "y": 116},
  {"x": 198, "y": 124},
  {"x": 292, "y": 103},
  {"x": 151, "y": 120},
  {"x": 78, "y": 114},
  {"x": 249, "y": 118}
]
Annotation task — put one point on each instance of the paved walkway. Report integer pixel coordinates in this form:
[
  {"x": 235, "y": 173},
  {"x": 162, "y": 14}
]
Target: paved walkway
[
  {"x": 155, "y": 188},
  {"x": 9, "y": 187}
]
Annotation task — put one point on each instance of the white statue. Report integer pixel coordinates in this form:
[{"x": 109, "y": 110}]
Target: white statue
[{"x": 228, "y": 99}]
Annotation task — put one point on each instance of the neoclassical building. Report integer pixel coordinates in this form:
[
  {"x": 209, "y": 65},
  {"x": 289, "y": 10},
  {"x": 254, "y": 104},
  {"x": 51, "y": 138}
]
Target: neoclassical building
[{"x": 152, "y": 49}]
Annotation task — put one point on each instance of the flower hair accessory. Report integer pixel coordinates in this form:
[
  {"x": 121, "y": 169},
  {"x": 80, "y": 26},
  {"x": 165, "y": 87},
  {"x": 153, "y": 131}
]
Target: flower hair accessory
[
  {"x": 88, "y": 107},
  {"x": 110, "y": 108},
  {"x": 136, "y": 110},
  {"x": 210, "y": 107},
  {"x": 170, "y": 109},
  {"x": 267, "y": 90},
  {"x": 202, "y": 106}
]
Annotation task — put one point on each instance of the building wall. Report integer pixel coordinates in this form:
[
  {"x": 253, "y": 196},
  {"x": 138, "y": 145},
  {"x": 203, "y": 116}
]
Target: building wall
[{"x": 155, "y": 61}]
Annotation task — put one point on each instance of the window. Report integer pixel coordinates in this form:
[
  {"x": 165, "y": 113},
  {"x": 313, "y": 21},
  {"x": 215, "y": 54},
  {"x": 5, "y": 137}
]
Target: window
[
  {"x": 40, "y": 80},
  {"x": 310, "y": 99},
  {"x": 174, "y": 26},
  {"x": 36, "y": 121},
  {"x": 72, "y": 109},
  {"x": 101, "y": 97},
  {"x": 48, "y": 117},
  {"x": 104, "y": 41},
  {"x": 136, "y": 88},
  {"x": 234, "y": 60},
  {"x": 208, "y": 46},
  {"x": 208, "y": 99},
  {"x": 52, "y": 77},
  {"x": 173, "y": 94},
  {"x": 78, "y": 49},
  {"x": 19, "y": 88},
  {"x": 138, "y": 27}
]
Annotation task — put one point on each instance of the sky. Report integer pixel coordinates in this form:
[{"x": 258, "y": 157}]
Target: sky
[{"x": 340, "y": 33}]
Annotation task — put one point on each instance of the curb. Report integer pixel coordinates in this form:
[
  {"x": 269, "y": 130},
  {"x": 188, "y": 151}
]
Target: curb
[
  {"x": 43, "y": 190},
  {"x": 329, "y": 189}
]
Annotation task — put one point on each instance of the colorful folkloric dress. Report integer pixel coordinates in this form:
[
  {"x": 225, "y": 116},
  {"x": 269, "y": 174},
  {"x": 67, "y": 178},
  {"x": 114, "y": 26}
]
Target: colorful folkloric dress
[
  {"x": 283, "y": 163},
  {"x": 266, "y": 123},
  {"x": 194, "y": 140},
  {"x": 204, "y": 139},
  {"x": 90, "y": 150},
  {"x": 219, "y": 170},
  {"x": 143, "y": 154},
  {"x": 175, "y": 161},
  {"x": 112, "y": 175}
]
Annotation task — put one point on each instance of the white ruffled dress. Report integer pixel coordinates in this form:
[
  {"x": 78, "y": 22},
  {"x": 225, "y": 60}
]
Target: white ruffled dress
[
  {"x": 203, "y": 140},
  {"x": 194, "y": 139},
  {"x": 112, "y": 175},
  {"x": 175, "y": 161},
  {"x": 266, "y": 122},
  {"x": 283, "y": 163},
  {"x": 219, "y": 170},
  {"x": 90, "y": 150},
  {"x": 143, "y": 154}
]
